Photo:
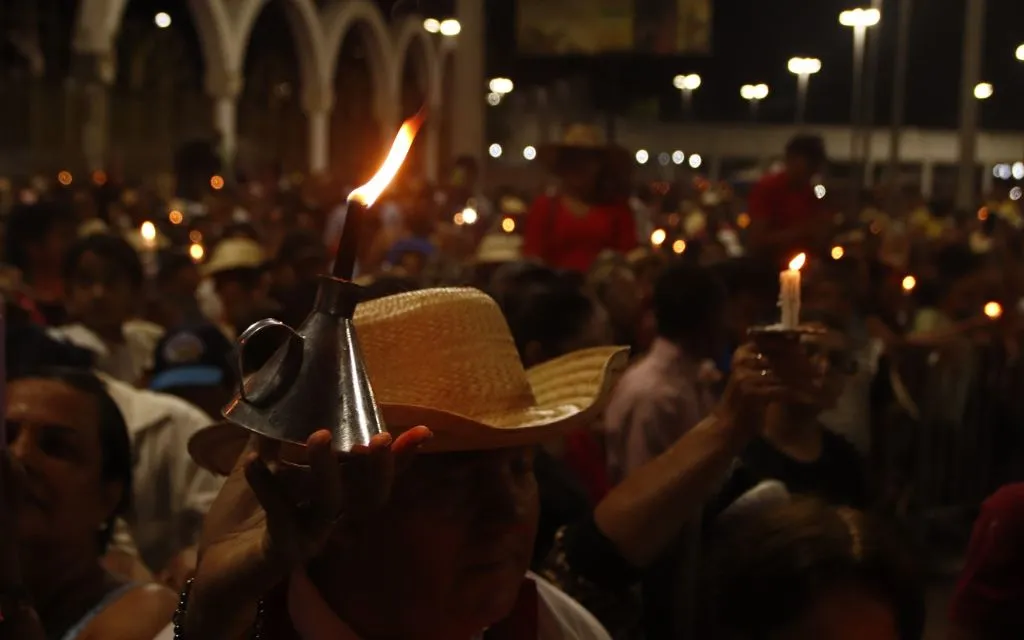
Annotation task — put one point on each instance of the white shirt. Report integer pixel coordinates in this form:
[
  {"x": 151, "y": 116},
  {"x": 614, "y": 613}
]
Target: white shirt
[
  {"x": 170, "y": 493},
  {"x": 129, "y": 360},
  {"x": 559, "y": 617}
]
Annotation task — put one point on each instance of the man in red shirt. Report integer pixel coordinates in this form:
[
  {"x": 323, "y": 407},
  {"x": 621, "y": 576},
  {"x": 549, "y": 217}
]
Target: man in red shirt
[{"x": 786, "y": 216}]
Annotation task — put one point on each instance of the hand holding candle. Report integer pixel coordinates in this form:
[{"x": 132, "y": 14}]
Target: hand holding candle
[{"x": 789, "y": 292}]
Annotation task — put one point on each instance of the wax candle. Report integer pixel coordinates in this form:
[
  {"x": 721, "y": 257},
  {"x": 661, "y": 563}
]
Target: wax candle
[{"x": 789, "y": 293}]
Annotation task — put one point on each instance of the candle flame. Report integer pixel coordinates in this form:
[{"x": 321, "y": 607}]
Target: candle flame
[
  {"x": 993, "y": 310},
  {"x": 148, "y": 231},
  {"x": 797, "y": 263},
  {"x": 369, "y": 192},
  {"x": 909, "y": 283}
]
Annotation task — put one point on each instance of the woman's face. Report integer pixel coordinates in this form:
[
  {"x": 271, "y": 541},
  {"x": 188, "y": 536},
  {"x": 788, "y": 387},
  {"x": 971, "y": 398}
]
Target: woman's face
[
  {"x": 844, "y": 614},
  {"x": 451, "y": 547},
  {"x": 99, "y": 295},
  {"x": 53, "y": 430}
]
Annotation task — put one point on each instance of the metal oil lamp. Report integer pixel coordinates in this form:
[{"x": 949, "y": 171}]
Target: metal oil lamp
[{"x": 317, "y": 379}]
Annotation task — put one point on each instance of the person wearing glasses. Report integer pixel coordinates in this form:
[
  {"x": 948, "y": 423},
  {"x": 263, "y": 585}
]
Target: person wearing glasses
[{"x": 794, "y": 447}]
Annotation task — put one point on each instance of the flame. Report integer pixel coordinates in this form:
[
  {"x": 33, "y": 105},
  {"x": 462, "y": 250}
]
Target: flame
[
  {"x": 369, "y": 192},
  {"x": 993, "y": 310},
  {"x": 837, "y": 252},
  {"x": 797, "y": 263},
  {"x": 148, "y": 231},
  {"x": 909, "y": 283}
]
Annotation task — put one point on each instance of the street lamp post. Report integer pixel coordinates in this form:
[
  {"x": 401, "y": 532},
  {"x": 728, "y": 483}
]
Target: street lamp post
[
  {"x": 754, "y": 94},
  {"x": 803, "y": 68},
  {"x": 687, "y": 84},
  {"x": 859, "y": 20}
]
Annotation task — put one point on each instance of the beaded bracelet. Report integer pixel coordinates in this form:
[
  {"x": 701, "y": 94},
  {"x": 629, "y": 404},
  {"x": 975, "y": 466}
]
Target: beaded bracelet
[{"x": 179, "y": 615}]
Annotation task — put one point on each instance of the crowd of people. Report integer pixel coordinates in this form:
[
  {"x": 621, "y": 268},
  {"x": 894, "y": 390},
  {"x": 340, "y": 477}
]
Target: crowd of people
[{"x": 596, "y": 428}]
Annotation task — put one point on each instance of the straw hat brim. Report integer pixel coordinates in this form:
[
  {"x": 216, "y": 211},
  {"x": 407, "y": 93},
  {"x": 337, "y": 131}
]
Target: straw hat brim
[{"x": 569, "y": 391}]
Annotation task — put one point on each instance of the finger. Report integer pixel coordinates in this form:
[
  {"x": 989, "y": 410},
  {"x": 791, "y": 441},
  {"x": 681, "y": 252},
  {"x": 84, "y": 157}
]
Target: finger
[
  {"x": 269, "y": 451},
  {"x": 412, "y": 439},
  {"x": 266, "y": 488},
  {"x": 327, "y": 488}
]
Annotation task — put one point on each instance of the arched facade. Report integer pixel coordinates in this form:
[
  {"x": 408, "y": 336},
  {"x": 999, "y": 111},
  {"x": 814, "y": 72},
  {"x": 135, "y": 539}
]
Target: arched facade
[{"x": 225, "y": 27}]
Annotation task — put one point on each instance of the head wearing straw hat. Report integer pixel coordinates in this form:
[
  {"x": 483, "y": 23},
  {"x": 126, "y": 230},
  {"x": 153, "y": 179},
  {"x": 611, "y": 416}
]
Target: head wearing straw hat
[
  {"x": 578, "y": 139},
  {"x": 445, "y": 358},
  {"x": 235, "y": 253}
]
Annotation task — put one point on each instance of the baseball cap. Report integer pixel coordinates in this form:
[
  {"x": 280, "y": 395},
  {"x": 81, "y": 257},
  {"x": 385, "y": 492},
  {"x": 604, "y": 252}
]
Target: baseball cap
[{"x": 198, "y": 356}]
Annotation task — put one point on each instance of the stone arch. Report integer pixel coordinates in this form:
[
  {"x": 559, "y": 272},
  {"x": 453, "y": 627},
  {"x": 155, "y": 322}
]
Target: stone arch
[
  {"x": 408, "y": 34},
  {"x": 307, "y": 35},
  {"x": 338, "y": 20},
  {"x": 99, "y": 21}
]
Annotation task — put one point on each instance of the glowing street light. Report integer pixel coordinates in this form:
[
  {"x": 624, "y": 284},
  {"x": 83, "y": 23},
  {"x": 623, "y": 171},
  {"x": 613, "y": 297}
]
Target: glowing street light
[
  {"x": 450, "y": 28},
  {"x": 162, "y": 20},
  {"x": 983, "y": 91},
  {"x": 501, "y": 86},
  {"x": 860, "y": 18},
  {"x": 803, "y": 68},
  {"x": 754, "y": 94},
  {"x": 687, "y": 84},
  {"x": 432, "y": 25}
]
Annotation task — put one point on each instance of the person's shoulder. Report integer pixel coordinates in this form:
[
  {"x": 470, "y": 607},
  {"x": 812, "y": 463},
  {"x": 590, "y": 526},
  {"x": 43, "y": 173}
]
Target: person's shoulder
[
  {"x": 141, "y": 613},
  {"x": 144, "y": 409},
  {"x": 562, "y": 618},
  {"x": 839, "y": 445}
]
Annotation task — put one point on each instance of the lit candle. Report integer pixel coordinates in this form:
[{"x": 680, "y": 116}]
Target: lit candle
[
  {"x": 908, "y": 284},
  {"x": 993, "y": 310},
  {"x": 789, "y": 292}
]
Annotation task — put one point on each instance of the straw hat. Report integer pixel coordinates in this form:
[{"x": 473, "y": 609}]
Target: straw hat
[
  {"x": 235, "y": 253},
  {"x": 445, "y": 358},
  {"x": 578, "y": 137}
]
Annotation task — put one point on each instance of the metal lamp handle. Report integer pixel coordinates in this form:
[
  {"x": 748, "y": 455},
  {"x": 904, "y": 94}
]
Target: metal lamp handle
[{"x": 251, "y": 332}]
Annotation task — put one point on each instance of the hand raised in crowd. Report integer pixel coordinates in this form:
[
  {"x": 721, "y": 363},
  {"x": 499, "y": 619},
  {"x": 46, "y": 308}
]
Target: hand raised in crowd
[
  {"x": 772, "y": 367},
  {"x": 272, "y": 517}
]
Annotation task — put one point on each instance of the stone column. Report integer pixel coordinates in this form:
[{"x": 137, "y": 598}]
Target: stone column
[
  {"x": 432, "y": 144},
  {"x": 318, "y": 106},
  {"x": 469, "y": 85},
  {"x": 224, "y": 87},
  {"x": 927, "y": 179},
  {"x": 95, "y": 75}
]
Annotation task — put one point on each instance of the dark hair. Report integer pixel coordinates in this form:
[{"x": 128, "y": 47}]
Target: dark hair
[
  {"x": 766, "y": 570},
  {"x": 545, "y": 309},
  {"x": 28, "y": 224},
  {"x": 688, "y": 299},
  {"x": 388, "y": 285},
  {"x": 247, "y": 277},
  {"x": 112, "y": 249},
  {"x": 808, "y": 146},
  {"x": 171, "y": 264},
  {"x": 115, "y": 445},
  {"x": 748, "y": 276}
]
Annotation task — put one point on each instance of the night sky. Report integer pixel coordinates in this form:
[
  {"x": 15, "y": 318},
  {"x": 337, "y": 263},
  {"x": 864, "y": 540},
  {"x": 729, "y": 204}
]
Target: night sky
[{"x": 753, "y": 39}]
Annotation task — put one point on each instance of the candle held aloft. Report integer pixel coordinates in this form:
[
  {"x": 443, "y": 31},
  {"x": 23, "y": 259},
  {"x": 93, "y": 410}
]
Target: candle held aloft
[{"x": 789, "y": 292}]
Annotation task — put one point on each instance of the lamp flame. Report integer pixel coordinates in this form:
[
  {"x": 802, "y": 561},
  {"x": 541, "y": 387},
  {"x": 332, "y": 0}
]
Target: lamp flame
[
  {"x": 909, "y": 283},
  {"x": 993, "y": 310},
  {"x": 369, "y": 192},
  {"x": 797, "y": 263}
]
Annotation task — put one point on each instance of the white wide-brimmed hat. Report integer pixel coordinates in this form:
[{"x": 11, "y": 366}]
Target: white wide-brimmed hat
[
  {"x": 445, "y": 358},
  {"x": 235, "y": 253}
]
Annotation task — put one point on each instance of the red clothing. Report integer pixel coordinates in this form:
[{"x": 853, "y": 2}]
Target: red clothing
[
  {"x": 782, "y": 204},
  {"x": 585, "y": 456},
  {"x": 567, "y": 241}
]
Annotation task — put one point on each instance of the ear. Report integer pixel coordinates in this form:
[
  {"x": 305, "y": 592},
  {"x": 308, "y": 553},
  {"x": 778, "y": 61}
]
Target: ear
[{"x": 110, "y": 497}]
